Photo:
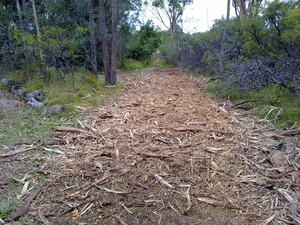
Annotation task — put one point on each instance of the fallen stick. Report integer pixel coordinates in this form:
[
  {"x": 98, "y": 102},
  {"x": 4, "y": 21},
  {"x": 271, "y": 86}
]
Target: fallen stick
[
  {"x": 211, "y": 201},
  {"x": 53, "y": 150},
  {"x": 290, "y": 133},
  {"x": 16, "y": 152},
  {"x": 213, "y": 150},
  {"x": 68, "y": 129},
  {"x": 151, "y": 155},
  {"x": 112, "y": 191},
  {"x": 33, "y": 195},
  {"x": 120, "y": 220},
  {"x": 162, "y": 181},
  {"x": 43, "y": 218},
  {"x": 267, "y": 221},
  {"x": 18, "y": 214}
]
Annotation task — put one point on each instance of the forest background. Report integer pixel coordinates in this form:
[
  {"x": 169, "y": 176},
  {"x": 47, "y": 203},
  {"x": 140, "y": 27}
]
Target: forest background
[{"x": 62, "y": 47}]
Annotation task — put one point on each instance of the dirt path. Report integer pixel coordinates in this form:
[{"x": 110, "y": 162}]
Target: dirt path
[{"x": 166, "y": 154}]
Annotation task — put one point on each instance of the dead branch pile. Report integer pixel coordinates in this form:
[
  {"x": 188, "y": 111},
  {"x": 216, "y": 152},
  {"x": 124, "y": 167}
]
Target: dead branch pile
[{"x": 167, "y": 154}]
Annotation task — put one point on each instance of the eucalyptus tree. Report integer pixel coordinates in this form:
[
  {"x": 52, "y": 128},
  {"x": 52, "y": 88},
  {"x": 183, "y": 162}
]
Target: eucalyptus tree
[{"x": 170, "y": 9}]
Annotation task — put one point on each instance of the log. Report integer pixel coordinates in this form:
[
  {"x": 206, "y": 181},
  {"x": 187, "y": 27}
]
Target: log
[{"x": 33, "y": 98}]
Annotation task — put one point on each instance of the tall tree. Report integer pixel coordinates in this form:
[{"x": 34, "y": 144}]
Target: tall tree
[
  {"x": 37, "y": 27},
  {"x": 104, "y": 41},
  {"x": 170, "y": 9},
  {"x": 109, "y": 63},
  {"x": 92, "y": 38},
  {"x": 114, "y": 44}
]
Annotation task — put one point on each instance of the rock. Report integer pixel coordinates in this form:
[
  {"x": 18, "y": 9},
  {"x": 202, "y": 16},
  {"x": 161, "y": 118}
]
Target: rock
[{"x": 277, "y": 158}]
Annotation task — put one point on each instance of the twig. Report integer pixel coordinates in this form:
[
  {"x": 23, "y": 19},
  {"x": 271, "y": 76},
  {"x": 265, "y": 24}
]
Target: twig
[
  {"x": 33, "y": 195},
  {"x": 53, "y": 150},
  {"x": 162, "y": 181},
  {"x": 69, "y": 129},
  {"x": 290, "y": 133},
  {"x": 120, "y": 220},
  {"x": 213, "y": 150},
  {"x": 128, "y": 210},
  {"x": 43, "y": 218},
  {"x": 267, "y": 221},
  {"x": 172, "y": 207},
  {"x": 211, "y": 201},
  {"x": 96, "y": 182},
  {"x": 16, "y": 152},
  {"x": 85, "y": 209},
  {"x": 112, "y": 191},
  {"x": 151, "y": 155},
  {"x": 18, "y": 214}
]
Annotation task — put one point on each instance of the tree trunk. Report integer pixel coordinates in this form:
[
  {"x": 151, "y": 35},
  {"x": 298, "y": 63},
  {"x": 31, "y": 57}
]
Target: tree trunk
[
  {"x": 242, "y": 7},
  {"x": 104, "y": 37},
  {"x": 25, "y": 13},
  {"x": 37, "y": 28},
  {"x": 27, "y": 30},
  {"x": 223, "y": 42},
  {"x": 92, "y": 38},
  {"x": 22, "y": 30},
  {"x": 114, "y": 46}
]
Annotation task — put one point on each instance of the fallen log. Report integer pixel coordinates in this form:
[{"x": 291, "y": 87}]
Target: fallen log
[{"x": 33, "y": 98}]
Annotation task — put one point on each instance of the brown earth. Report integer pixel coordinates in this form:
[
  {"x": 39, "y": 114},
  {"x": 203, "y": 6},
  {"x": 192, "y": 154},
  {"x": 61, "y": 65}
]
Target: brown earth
[{"x": 165, "y": 153}]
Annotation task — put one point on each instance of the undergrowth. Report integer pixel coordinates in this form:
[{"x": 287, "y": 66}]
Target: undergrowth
[
  {"x": 131, "y": 64},
  {"x": 86, "y": 90},
  {"x": 275, "y": 103}
]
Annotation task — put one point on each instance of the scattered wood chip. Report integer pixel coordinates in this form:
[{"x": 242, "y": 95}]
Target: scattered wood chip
[
  {"x": 213, "y": 150},
  {"x": 211, "y": 201},
  {"x": 162, "y": 181},
  {"x": 269, "y": 220}
]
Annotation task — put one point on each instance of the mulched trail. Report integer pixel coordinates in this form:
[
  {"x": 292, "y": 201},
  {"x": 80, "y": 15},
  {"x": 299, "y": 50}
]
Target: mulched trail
[{"x": 165, "y": 153}]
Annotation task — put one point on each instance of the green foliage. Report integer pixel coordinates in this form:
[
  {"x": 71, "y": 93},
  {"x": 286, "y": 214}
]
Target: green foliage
[{"x": 144, "y": 43}]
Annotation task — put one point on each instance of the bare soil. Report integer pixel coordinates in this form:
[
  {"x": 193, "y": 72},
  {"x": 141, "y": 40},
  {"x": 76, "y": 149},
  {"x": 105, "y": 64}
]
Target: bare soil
[{"x": 165, "y": 153}]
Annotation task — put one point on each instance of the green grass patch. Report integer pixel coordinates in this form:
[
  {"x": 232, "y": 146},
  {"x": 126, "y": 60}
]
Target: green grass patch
[
  {"x": 26, "y": 125},
  {"x": 5, "y": 209},
  {"x": 274, "y": 103},
  {"x": 84, "y": 91},
  {"x": 131, "y": 64}
]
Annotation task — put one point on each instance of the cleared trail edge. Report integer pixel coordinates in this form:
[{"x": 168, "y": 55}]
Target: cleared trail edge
[{"x": 165, "y": 153}]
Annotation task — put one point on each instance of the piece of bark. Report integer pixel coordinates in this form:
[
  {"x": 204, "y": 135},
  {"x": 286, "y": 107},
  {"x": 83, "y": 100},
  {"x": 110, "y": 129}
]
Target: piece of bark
[{"x": 69, "y": 129}]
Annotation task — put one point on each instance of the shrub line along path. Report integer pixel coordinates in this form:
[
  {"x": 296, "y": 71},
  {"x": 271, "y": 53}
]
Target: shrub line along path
[{"x": 164, "y": 153}]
